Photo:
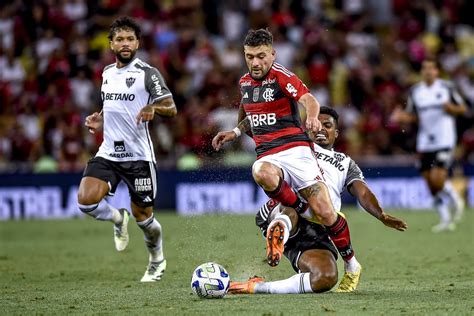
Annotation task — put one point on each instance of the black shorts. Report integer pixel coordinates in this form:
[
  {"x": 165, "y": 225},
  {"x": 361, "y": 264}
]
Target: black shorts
[
  {"x": 441, "y": 158},
  {"x": 139, "y": 176},
  {"x": 309, "y": 236}
]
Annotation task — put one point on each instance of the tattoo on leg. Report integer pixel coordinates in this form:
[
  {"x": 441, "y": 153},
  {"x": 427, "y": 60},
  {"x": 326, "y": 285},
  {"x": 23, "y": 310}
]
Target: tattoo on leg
[{"x": 312, "y": 190}]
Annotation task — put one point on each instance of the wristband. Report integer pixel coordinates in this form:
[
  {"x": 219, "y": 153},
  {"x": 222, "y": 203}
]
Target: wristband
[{"x": 237, "y": 131}]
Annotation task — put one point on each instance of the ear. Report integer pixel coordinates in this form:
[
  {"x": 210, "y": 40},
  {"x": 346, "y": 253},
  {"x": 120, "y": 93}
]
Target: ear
[
  {"x": 110, "y": 44},
  {"x": 138, "y": 44},
  {"x": 336, "y": 133}
]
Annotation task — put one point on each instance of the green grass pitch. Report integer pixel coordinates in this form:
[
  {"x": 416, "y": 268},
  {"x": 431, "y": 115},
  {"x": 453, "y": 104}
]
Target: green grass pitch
[{"x": 71, "y": 267}]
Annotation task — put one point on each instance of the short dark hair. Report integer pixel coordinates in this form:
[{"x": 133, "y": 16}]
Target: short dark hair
[
  {"x": 432, "y": 60},
  {"x": 124, "y": 23},
  {"x": 331, "y": 112},
  {"x": 258, "y": 37}
]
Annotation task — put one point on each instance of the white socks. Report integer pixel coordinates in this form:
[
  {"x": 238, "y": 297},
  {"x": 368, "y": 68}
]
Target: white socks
[
  {"x": 451, "y": 193},
  {"x": 297, "y": 284},
  {"x": 153, "y": 238},
  {"x": 102, "y": 211},
  {"x": 441, "y": 205},
  {"x": 352, "y": 265},
  {"x": 286, "y": 223}
]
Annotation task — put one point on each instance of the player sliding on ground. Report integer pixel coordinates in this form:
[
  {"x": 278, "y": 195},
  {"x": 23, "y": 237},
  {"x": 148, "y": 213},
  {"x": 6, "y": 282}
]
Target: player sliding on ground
[
  {"x": 285, "y": 159},
  {"x": 305, "y": 243}
]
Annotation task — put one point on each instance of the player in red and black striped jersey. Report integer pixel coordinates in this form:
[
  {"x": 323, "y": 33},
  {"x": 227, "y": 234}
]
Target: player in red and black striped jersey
[{"x": 285, "y": 159}]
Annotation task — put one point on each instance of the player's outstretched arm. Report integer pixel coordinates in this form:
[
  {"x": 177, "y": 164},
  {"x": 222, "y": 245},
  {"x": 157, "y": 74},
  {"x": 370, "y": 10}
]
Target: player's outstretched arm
[
  {"x": 227, "y": 136},
  {"x": 94, "y": 122},
  {"x": 165, "y": 107},
  {"x": 369, "y": 202}
]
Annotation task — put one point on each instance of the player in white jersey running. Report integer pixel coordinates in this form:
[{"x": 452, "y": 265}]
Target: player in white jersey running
[
  {"x": 132, "y": 93},
  {"x": 307, "y": 245},
  {"x": 434, "y": 103}
]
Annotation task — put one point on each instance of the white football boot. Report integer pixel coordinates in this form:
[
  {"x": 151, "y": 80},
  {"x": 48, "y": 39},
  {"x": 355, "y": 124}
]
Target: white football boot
[
  {"x": 121, "y": 231},
  {"x": 154, "y": 271}
]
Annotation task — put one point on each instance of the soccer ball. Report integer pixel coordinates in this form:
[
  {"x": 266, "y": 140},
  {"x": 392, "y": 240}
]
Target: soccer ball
[{"x": 210, "y": 280}]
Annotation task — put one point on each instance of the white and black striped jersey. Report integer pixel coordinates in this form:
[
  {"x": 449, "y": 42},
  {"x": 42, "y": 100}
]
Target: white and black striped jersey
[
  {"x": 436, "y": 128},
  {"x": 125, "y": 91},
  {"x": 339, "y": 171}
]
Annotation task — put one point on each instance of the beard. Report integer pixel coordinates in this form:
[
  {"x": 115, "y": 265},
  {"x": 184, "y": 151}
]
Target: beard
[{"x": 125, "y": 60}]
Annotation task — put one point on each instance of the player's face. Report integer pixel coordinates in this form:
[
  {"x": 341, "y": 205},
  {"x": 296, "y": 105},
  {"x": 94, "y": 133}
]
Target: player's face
[
  {"x": 429, "y": 71},
  {"x": 328, "y": 133},
  {"x": 124, "y": 44},
  {"x": 259, "y": 59}
]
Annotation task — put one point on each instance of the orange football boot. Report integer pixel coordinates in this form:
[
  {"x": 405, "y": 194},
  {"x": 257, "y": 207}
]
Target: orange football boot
[{"x": 245, "y": 287}]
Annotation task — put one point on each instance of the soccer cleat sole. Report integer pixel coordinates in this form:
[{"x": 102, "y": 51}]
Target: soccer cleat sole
[{"x": 275, "y": 245}]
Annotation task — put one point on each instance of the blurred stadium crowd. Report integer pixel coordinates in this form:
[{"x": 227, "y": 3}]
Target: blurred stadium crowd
[{"x": 359, "y": 56}]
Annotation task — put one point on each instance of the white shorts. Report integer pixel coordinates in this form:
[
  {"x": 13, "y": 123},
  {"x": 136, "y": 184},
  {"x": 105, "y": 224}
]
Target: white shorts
[{"x": 299, "y": 165}]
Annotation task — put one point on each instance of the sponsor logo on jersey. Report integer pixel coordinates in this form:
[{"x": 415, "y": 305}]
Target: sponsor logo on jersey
[
  {"x": 157, "y": 85},
  {"x": 268, "y": 94},
  {"x": 245, "y": 84},
  {"x": 119, "y": 146},
  {"x": 143, "y": 184},
  {"x": 117, "y": 96},
  {"x": 256, "y": 94},
  {"x": 121, "y": 155},
  {"x": 130, "y": 81},
  {"x": 339, "y": 157},
  {"x": 291, "y": 90},
  {"x": 268, "y": 81},
  {"x": 331, "y": 160},
  {"x": 105, "y": 82},
  {"x": 263, "y": 119}
]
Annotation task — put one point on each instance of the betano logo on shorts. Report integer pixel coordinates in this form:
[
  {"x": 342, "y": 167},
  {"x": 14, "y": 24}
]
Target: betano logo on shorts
[
  {"x": 142, "y": 184},
  {"x": 263, "y": 119}
]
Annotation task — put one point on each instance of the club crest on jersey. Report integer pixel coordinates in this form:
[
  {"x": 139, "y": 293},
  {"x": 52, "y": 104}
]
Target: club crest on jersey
[
  {"x": 130, "y": 81},
  {"x": 339, "y": 157},
  {"x": 268, "y": 94},
  {"x": 256, "y": 94}
]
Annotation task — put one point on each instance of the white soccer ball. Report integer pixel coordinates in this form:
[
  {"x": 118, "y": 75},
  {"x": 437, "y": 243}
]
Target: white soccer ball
[{"x": 210, "y": 280}]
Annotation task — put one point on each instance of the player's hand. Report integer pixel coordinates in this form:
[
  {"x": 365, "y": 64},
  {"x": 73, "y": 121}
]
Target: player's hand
[
  {"x": 393, "y": 222},
  {"x": 221, "y": 138},
  {"x": 94, "y": 122},
  {"x": 313, "y": 124},
  {"x": 147, "y": 113}
]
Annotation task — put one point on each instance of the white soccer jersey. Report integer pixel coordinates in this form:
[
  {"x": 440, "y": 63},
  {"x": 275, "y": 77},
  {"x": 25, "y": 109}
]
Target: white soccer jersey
[
  {"x": 125, "y": 91},
  {"x": 339, "y": 171},
  {"x": 436, "y": 128}
]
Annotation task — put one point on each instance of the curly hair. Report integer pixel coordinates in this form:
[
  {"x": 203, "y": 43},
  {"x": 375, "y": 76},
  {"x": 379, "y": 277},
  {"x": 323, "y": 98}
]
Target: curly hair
[
  {"x": 124, "y": 23},
  {"x": 258, "y": 37},
  {"x": 331, "y": 112}
]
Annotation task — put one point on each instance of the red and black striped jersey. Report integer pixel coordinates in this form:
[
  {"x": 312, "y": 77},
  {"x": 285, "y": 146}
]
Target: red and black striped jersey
[{"x": 272, "y": 106}]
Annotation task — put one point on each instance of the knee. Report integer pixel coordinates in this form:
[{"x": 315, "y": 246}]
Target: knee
[
  {"x": 88, "y": 197},
  {"x": 265, "y": 177},
  {"x": 323, "y": 280}
]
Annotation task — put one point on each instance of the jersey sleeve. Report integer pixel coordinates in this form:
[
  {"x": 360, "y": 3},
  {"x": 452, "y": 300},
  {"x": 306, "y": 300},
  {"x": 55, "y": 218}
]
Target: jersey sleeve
[
  {"x": 353, "y": 174},
  {"x": 292, "y": 86},
  {"x": 454, "y": 94},
  {"x": 410, "y": 108},
  {"x": 156, "y": 86}
]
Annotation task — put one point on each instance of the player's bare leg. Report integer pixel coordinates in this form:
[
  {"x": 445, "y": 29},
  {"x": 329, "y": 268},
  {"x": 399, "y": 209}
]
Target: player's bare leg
[
  {"x": 270, "y": 178},
  {"x": 153, "y": 240},
  {"x": 91, "y": 201},
  {"x": 337, "y": 227},
  {"x": 318, "y": 274}
]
